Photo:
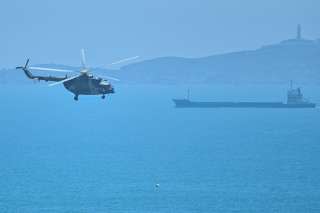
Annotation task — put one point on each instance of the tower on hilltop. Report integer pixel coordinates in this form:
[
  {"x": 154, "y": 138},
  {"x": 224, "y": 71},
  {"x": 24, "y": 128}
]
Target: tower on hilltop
[{"x": 299, "y": 37}]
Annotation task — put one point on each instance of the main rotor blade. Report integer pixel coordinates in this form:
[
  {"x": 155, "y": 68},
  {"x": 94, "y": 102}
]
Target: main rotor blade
[
  {"x": 83, "y": 59},
  {"x": 50, "y": 69},
  {"x": 65, "y": 80},
  {"x": 124, "y": 60}
]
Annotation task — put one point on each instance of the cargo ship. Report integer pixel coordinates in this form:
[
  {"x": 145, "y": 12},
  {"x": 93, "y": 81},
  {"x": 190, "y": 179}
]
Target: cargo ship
[{"x": 295, "y": 99}]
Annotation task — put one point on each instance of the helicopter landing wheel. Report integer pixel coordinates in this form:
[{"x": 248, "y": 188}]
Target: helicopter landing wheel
[
  {"x": 76, "y": 98},
  {"x": 103, "y": 96}
]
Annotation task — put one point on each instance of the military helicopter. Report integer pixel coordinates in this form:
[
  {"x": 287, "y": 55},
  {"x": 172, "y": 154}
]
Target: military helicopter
[{"x": 84, "y": 83}]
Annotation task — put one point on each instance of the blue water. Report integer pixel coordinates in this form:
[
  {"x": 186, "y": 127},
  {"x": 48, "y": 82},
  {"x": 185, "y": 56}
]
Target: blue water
[{"x": 58, "y": 155}]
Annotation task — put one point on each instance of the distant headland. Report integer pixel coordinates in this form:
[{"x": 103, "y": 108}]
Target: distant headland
[{"x": 295, "y": 59}]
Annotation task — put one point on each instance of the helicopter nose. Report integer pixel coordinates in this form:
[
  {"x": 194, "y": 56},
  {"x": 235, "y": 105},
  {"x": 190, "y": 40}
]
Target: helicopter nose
[
  {"x": 109, "y": 89},
  {"x": 106, "y": 87}
]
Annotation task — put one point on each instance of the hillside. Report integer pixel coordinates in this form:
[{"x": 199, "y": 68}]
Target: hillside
[
  {"x": 295, "y": 59},
  {"x": 298, "y": 60}
]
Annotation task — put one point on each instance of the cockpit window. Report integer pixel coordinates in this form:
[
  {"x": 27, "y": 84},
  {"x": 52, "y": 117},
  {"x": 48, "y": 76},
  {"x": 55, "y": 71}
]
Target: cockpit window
[{"x": 105, "y": 83}]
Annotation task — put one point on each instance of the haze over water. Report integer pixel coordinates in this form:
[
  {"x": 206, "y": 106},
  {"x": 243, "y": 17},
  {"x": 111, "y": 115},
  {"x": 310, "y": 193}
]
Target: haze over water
[{"x": 95, "y": 155}]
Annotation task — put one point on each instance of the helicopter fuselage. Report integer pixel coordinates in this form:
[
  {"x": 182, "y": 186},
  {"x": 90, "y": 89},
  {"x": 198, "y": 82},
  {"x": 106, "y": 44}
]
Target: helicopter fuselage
[{"x": 88, "y": 85}]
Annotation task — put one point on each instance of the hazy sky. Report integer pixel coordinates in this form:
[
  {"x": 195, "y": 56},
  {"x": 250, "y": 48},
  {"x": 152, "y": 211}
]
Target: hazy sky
[{"x": 54, "y": 31}]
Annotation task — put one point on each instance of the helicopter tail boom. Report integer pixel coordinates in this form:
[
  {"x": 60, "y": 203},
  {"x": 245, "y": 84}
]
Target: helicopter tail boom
[{"x": 43, "y": 78}]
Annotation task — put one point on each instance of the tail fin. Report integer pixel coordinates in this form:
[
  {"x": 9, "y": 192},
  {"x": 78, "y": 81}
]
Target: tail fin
[{"x": 27, "y": 63}]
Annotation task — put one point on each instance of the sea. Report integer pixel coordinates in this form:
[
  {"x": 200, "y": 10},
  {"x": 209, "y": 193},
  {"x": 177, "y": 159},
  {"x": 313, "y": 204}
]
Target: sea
[{"x": 135, "y": 152}]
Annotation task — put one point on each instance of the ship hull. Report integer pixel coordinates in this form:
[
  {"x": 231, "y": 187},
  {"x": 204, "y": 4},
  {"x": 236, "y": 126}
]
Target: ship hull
[{"x": 184, "y": 103}]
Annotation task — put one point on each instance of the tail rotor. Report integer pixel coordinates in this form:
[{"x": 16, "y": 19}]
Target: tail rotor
[{"x": 25, "y": 66}]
